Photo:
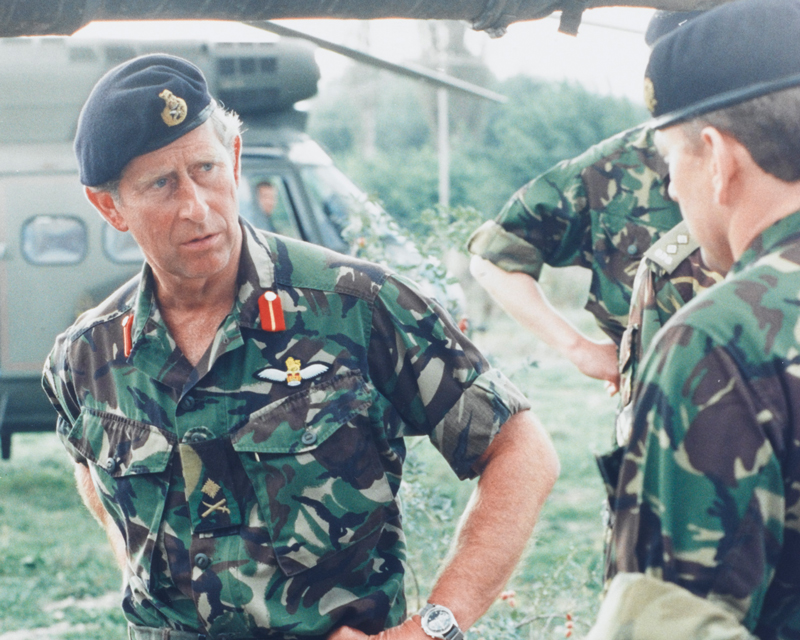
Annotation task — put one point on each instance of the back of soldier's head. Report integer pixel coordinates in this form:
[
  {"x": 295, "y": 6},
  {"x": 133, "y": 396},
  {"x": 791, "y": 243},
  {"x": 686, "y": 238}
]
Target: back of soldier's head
[{"x": 736, "y": 68}]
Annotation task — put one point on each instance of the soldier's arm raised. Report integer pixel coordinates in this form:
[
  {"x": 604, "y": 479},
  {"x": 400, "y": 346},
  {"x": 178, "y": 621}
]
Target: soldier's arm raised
[
  {"x": 519, "y": 469},
  {"x": 523, "y": 299}
]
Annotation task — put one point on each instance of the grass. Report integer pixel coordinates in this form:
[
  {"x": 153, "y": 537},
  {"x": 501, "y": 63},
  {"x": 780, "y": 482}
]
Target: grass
[{"x": 58, "y": 579}]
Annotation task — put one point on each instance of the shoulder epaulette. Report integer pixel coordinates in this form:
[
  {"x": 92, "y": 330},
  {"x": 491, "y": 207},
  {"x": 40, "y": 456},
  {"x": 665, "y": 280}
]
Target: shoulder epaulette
[{"x": 672, "y": 248}]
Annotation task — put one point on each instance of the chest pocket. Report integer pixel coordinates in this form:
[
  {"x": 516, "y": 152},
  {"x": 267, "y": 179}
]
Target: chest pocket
[
  {"x": 316, "y": 471},
  {"x": 129, "y": 467}
]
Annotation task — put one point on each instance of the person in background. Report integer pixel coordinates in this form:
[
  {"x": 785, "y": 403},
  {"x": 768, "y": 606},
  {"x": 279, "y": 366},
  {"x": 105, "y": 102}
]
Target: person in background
[{"x": 601, "y": 211}]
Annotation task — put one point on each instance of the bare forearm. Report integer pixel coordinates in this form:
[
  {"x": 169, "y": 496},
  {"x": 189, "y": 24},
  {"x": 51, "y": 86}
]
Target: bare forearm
[
  {"x": 522, "y": 298},
  {"x": 519, "y": 474}
]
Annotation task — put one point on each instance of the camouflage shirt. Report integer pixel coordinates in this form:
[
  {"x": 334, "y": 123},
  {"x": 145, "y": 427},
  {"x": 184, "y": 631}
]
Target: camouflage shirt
[
  {"x": 671, "y": 273},
  {"x": 709, "y": 489},
  {"x": 257, "y": 491},
  {"x": 601, "y": 210}
]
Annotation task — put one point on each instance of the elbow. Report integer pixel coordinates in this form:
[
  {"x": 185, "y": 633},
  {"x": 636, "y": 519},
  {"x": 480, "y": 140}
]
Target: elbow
[
  {"x": 477, "y": 268},
  {"x": 528, "y": 452}
]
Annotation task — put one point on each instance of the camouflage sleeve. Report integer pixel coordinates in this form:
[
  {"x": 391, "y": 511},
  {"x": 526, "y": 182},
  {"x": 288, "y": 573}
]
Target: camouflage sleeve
[
  {"x": 435, "y": 379},
  {"x": 640, "y": 607},
  {"x": 547, "y": 221},
  {"x": 57, "y": 384},
  {"x": 690, "y": 511}
]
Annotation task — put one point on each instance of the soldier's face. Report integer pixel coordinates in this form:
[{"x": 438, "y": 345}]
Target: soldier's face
[
  {"x": 691, "y": 174},
  {"x": 266, "y": 198},
  {"x": 179, "y": 203}
]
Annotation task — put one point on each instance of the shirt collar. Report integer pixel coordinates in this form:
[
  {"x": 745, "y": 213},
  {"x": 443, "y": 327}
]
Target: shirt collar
[
  {"x": 256, "y": 274},
  {"x": 781, "y": 232}
]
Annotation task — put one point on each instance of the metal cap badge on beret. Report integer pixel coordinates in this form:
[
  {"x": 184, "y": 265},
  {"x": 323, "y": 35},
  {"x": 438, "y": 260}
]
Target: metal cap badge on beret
[
  {"x": 736, "y": 52},
  {"x": 140, "y": 106}
]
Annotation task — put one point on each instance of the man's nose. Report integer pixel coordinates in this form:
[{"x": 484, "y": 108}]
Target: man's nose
[{"x": 192, "y": 202}]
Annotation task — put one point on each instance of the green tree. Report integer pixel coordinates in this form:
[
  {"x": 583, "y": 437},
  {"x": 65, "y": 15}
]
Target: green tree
[{"x": 501, "y": 148}]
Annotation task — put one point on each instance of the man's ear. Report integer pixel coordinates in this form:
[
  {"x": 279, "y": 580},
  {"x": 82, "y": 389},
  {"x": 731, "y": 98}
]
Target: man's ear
[
  {"x": 104, "y": 202},
  {"x": 237, "y": 158},
  {"x": 724, "y": 164}
]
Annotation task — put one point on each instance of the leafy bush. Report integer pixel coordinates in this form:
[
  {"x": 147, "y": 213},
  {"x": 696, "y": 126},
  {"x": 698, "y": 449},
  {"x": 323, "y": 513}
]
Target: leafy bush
[{"x": 387, "y": 143}]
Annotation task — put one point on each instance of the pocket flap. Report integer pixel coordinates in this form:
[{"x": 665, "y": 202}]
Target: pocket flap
[
  {"x": 121, "y": 446},
  {"x": 304, "y": 420}
]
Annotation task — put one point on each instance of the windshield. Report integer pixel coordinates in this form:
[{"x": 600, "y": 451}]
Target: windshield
[
  {"x": 264, "y": 202},
  {"x": 341, "y": 206}
]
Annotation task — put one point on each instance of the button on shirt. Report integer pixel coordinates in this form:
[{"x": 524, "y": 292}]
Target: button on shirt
[{"x": 258, "y": 490}]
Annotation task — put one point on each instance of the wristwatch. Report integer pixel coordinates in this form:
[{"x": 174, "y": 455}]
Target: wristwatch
[{"x": 439, "y": 622}]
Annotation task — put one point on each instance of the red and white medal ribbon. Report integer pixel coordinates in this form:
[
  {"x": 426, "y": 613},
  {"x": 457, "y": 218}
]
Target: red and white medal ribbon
[
  {"x": 271, "y": 310},
  {"x": 127, "y": 326}
]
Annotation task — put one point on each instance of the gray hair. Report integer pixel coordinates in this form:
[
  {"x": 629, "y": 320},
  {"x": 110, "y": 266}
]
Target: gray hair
[
  {"x": 767, "y": 126},
  {"x": 227, "y": 125}
]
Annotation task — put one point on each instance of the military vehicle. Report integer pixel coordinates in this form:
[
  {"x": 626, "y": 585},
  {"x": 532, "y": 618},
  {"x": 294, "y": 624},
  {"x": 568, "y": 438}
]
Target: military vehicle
[{"x": 58, "y": 257}]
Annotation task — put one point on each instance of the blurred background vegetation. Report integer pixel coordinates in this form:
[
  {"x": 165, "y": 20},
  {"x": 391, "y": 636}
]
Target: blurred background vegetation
[{"x": 381, "y": 130}]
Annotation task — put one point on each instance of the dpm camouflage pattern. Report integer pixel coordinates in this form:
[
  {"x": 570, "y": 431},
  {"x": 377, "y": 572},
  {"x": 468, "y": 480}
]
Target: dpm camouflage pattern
[
  {"x": 257, "y": 492},
  {"x": 709, "y": 491},
  {"x": 671, "y": 274},
  {"x": 601, "y": 210}
]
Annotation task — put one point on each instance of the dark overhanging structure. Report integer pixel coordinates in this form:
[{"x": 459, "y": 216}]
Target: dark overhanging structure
[{"x": 64, "y": 17}]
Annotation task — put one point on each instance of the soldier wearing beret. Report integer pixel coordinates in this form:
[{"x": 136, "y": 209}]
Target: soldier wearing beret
[
  {"x": 706, "y": 542},
  {"x": 236, "y": 412}
]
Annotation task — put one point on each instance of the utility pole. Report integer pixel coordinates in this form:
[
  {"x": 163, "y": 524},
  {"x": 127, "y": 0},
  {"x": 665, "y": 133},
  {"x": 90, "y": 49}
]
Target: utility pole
[{"x": 443, "y": 118}]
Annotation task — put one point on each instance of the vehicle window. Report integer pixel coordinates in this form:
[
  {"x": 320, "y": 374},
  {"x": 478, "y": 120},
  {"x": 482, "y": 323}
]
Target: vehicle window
[
  {"x": 120, "y": 247},
  {"x": 334, "y": 199},
  {"x": 264, "y": 202},
  {"x": 54, "y": 239}
]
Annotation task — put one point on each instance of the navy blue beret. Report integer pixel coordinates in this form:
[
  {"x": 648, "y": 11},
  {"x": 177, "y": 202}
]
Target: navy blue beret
[
  {"x": 733, "y": 53},
  {"x": 664, "y": 22},
  {"x": 137, "y": 107}
]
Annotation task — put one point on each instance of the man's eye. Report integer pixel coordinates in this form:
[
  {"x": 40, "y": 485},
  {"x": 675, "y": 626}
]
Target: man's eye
[
  {"x": 160, "y": 183},
  {"x": 208, "y": 166}
]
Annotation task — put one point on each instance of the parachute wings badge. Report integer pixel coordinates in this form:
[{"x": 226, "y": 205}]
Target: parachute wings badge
[{"x": 293, "y": 375}]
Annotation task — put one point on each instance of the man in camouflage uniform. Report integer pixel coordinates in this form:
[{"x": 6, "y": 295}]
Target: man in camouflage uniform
[
  {"x": 237, "y": 412},
  {"x": 707, "y": 540},
  {"x": 602, "y": 211},
  {"x": 672, "y": 272}
]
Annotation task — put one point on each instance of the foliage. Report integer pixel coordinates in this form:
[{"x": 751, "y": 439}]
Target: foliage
[{"x": 383, "y": 135}]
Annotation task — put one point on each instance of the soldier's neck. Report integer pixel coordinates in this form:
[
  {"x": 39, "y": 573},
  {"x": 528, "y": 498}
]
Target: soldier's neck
[{"x": 193, "y": 312}]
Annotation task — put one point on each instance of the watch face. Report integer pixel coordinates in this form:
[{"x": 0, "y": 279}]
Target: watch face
[{"x": 439, "y": 620}]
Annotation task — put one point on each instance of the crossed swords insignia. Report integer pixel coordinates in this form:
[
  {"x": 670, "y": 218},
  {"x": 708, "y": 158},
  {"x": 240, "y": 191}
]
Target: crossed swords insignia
[{"x": 211, "y": 489}]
